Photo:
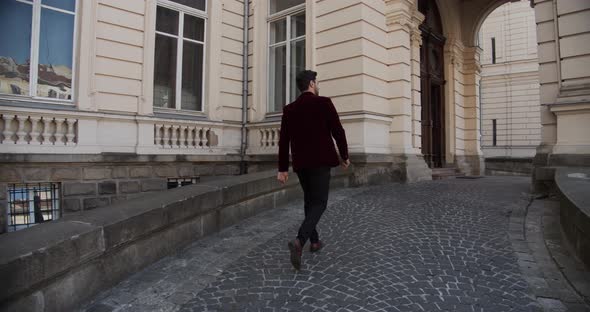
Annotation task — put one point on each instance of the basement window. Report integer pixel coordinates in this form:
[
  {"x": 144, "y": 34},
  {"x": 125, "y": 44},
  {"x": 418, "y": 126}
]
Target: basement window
[
  {"x": 180, "y": 182},
  {"x": 31, "y": 204}
]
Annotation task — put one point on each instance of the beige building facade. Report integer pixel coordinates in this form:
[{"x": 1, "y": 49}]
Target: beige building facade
[
  {"x": 510, "y": 110},
  {"x": 141, "y": 95}
]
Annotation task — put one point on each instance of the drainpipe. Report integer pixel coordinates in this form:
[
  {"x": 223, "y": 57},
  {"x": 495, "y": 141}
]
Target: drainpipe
[{"x": 244, "y": 145}]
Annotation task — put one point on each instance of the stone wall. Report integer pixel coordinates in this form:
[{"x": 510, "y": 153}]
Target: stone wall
[{"x": 88, "y": 185}]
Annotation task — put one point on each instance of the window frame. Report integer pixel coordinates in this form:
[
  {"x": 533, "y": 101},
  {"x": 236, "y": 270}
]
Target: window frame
[
  {"x": 287, "y": 14},
  {"x": 34, "y": 56},
  {"x": 182, "y": 10}
]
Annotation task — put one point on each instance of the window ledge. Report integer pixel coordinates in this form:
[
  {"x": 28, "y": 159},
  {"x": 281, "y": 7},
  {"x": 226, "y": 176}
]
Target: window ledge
[
  {"x": 182, "y": 115},
  {"x": 31, "y": 103}
]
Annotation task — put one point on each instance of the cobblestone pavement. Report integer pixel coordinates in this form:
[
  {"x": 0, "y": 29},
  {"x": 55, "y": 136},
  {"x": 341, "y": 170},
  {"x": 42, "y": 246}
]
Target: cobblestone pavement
[{"x": 431, "y": 246}]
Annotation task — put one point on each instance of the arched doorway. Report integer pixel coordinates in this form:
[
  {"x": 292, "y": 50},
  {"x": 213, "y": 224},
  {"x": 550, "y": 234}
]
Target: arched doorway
[{"x": 432, "y": 81}]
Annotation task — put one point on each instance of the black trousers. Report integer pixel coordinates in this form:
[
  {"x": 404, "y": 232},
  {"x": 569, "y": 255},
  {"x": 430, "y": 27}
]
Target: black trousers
[{"x": 315, "y": 183}]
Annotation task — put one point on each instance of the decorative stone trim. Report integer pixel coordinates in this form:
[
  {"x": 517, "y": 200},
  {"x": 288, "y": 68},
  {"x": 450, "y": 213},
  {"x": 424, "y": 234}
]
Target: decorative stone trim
[{"x": 30, "y": 129}]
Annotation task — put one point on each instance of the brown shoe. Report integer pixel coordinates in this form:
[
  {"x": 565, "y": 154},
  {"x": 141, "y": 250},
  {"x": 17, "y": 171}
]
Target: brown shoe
[
  {"x": 313, "y": 247},
  {"x": 295, "y": 249}
]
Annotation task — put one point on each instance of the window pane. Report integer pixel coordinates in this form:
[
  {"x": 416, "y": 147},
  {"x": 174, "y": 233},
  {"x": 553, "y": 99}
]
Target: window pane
[
  {"x": 167, "y": 21},
  {"x": 297, "y": 65},
  {"x": 278, "y": 73},
  {"x": 15, "y": 47},
  {"x": 197, "y": 4},
  {"x": 69, "y": 5},
  {"x": 280, "y": 5},
  {"x": 55, "y": 55},
  {"x": 194, "y": 27},
  {"x": 192, "y": 76},
  {"x": 298, "y": 25},
  {"x": 165, "y": 72},
  {"x": 278, "y": 31}
]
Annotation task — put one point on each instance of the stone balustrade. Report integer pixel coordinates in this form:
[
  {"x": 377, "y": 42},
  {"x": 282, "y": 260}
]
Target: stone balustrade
[
  {"x": 184, "y": 136},
  {"x": 38, "y": 129},
  {"x": 269, "y": 138}
]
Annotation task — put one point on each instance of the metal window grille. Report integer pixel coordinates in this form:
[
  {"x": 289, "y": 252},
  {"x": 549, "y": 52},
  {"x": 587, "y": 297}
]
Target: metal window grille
[
  {"x": 179, "y": 182},
  {"x": 31, "y": 204}
]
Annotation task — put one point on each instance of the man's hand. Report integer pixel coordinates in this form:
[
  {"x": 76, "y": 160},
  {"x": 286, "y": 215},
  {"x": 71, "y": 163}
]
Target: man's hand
[
  {"x": 345, "y": 164},
  {"x": 283, "y": 177}
]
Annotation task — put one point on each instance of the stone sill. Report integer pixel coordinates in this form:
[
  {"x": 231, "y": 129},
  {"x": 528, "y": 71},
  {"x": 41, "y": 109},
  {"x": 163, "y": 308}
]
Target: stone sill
[{"x": 58, "y": 265}]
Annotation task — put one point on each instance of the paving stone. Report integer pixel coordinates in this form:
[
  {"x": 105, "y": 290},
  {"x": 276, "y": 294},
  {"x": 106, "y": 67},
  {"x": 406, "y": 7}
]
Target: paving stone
[{"x": 431, "y": 246}]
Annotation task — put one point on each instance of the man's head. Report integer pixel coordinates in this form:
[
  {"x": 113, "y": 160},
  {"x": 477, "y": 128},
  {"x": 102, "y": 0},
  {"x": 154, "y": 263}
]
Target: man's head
[{"x": 306, "y": 81}]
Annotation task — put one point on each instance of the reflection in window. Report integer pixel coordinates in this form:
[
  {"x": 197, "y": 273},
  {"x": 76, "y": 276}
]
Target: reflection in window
[
  {"x": 179, "y": 57},
  {"x": 286, "y": 57},
  {"x": 15, "y": 47},
  {"x": 55, "y": 63},
  {"x": 31, "y": 204},
  {"x": 50, "y": 54}
]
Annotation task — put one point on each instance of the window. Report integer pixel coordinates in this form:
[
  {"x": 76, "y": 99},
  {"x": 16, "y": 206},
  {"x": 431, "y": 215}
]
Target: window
[
  {"x": 494, "y": 132},
  {"x": 286, "y": 50},
  {"x": 37, "y": 48},
  {"x": 493, "y": 50},
  {"x": 179, "y": 55},
  {"x": 31, "y": 204},
  {"x": 180, "y": 182}
]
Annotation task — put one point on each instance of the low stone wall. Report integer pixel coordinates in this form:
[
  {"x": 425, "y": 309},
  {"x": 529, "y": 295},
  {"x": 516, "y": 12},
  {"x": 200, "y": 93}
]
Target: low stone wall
[
  {"x": 573, "y": 185},
  {"x": 58, "y": 265},
  {"x": 508, "y": 166},
  {"x": 91, "y": 181}
]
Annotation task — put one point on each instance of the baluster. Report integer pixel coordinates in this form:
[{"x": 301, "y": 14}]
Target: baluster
[
  {"x": 51, "y": 126},
  {"x": 162, "y": 133},
  {"x": 60, "y": 131},
  {"x": 177, "y": 135},
  {"x": 169, "y": 136},
  {"x": 75, "y": 131},
  {"x": 20, "y": 130},
  {"x": 261, "y": 137},
  {"x": 183, "y": 136},
  {"x": 157, "y": 135},
  {"x": 194, "y": 136},
  {"x": 69, "y": 131},
  {"x": 36, "y": 129},
  {"x": 208, "y": 137},
  {"x": 11, "y": 127}
]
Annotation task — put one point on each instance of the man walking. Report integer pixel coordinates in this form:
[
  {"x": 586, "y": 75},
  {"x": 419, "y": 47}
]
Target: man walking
[{"x": 308, "y": 126}]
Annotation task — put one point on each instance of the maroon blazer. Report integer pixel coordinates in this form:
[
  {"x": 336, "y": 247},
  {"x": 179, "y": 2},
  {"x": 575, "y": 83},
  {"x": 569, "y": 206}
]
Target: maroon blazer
[{"x": 308, "y": 125}]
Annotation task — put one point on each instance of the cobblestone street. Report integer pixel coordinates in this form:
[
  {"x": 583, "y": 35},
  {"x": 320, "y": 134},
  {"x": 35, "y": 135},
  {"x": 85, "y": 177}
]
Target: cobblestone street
[{"x": 432, "y": 246}]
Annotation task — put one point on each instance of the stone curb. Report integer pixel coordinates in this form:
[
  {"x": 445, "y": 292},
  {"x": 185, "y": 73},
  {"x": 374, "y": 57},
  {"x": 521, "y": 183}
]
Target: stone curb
[{"x": 530, "y": 234}]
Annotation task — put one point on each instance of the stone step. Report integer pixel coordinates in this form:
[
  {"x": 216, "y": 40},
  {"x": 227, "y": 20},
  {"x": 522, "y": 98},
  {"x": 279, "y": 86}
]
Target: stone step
[{"x": 445, "y": 173}]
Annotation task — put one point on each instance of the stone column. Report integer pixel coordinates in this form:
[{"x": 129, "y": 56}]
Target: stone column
[
  {"x": 472, "y": 160},
  {"x": 404, "y": 40}
]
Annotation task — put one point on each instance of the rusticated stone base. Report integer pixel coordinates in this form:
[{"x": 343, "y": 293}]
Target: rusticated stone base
[
  {"x": 367, "y": 169},
  {"x": 509, "y": 166},
  {"x": 92, "y": 181},
  {"x": 471, "y": 165}
]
